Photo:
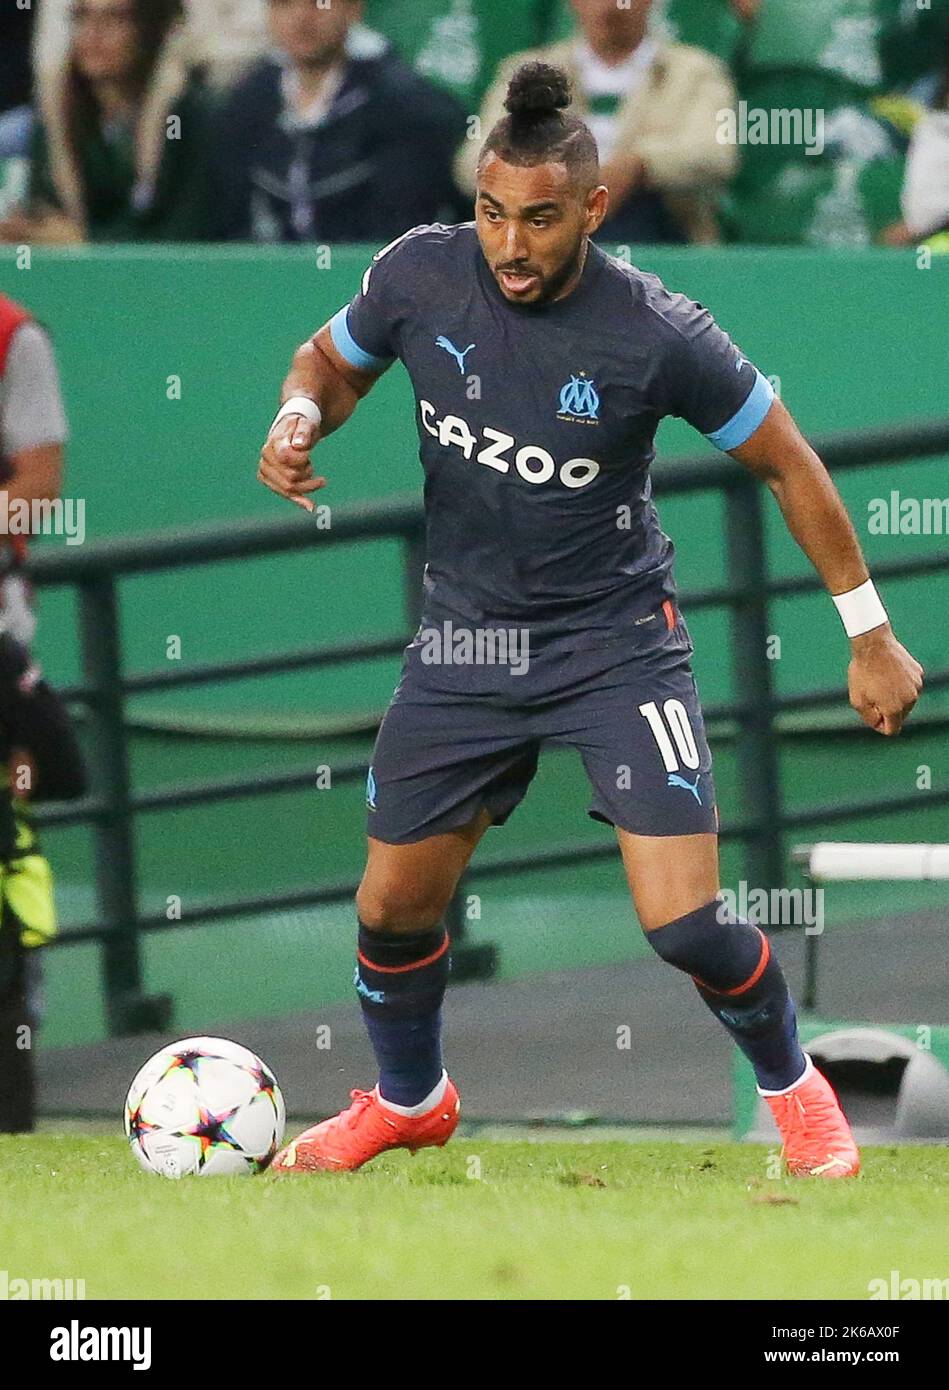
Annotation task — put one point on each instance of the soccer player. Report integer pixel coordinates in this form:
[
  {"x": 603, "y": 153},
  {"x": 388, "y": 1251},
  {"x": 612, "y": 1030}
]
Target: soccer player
[{"x": 541, "y": 368}]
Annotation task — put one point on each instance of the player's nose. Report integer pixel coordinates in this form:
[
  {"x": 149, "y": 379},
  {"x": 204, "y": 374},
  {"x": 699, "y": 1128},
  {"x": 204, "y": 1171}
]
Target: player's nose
[{"x": 514, "y": 248}]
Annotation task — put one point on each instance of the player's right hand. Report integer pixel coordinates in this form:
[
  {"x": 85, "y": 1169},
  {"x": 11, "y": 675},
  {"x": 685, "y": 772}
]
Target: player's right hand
[{"x": 284, "y": 464}]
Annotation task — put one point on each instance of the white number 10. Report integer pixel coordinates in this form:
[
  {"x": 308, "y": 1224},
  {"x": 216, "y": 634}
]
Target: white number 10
[{"x": 677, "y": 717}]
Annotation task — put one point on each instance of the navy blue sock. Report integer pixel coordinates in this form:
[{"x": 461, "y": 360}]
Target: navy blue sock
[
  {"x": 401, "y": 984},
  {"x": 742, "y": 983}
]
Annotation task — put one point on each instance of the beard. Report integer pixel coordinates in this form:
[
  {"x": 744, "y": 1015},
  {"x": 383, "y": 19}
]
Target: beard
[{"x": 553, "y": 284}]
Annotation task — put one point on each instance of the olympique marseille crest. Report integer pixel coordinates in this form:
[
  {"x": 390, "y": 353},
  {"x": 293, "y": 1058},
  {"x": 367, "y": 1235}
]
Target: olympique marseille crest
[{"x": 579, "y": 401}]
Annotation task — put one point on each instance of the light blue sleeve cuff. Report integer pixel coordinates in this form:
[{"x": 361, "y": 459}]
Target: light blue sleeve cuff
[
  {"x": 743, "y": 424},
  {"x": 347, "y": 347}
]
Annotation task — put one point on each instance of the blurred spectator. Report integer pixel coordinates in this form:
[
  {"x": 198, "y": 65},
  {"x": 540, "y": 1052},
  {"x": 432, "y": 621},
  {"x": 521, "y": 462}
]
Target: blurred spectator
[
  {"x": 925, "y": 197},
  {"x": 715, "y": 25},
  {"x": 652, "y": 106},
  {"x": 222, "y": 36},
  {"x": 337, "y": 140},
  {"x": 119, "y": 152},
  {"x": 459, "y": 43},
  {"x": 925, "y": 193}
]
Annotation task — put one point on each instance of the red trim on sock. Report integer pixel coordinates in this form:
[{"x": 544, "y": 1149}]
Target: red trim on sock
[
  {"x": 752, "y": 979},
  {"x": 670, "y": 613},
  {"x": 402, "y": 969}
]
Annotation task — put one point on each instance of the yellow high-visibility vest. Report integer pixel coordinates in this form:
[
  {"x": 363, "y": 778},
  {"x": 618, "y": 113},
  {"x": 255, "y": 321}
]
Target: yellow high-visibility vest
[{"x": 26, "y": 886}]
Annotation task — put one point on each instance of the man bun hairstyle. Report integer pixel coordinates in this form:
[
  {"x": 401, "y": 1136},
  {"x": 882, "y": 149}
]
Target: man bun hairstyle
[
  {"x": 538, "y": 129},
  {"x": 537, "y": 92}
]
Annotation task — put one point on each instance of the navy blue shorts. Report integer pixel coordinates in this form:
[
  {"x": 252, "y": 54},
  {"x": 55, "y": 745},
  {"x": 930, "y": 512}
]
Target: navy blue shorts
[{"x": 460, "y": 737}]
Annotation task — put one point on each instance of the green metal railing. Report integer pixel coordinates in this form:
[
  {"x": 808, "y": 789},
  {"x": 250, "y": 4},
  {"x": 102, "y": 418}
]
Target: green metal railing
[{"x": 113, "y": 805}]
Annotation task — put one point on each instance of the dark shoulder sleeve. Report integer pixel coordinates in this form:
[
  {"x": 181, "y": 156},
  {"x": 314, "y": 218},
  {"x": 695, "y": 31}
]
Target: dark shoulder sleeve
[
  {"x": 704, "y": 378},
  {"x": 366, "y": 331}
]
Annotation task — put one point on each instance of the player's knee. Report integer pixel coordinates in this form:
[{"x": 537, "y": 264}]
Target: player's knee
[{"x": 398, "y": 907}]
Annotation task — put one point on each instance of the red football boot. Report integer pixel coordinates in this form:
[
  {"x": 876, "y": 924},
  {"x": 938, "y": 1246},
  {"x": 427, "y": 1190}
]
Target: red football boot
[
  {"x": 817, "y": 1138},
  {"x": 367, "y": 1128}
]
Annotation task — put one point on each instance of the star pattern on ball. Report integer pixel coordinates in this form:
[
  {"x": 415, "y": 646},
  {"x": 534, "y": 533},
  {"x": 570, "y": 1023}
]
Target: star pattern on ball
[
  {"x": 211, "y": 1132},
  {"x": 187, "y": 1061},
  {"x": 139, "y": 1128},
  {"x": 266, "y": 1084}
]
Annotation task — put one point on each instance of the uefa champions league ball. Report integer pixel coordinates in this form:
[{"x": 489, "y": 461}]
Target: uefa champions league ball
[{"x": 204, "y": 1106}]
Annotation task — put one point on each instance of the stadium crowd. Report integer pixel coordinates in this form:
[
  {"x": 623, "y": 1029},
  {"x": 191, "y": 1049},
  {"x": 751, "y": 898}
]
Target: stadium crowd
[{"x": 351, "y": 120}]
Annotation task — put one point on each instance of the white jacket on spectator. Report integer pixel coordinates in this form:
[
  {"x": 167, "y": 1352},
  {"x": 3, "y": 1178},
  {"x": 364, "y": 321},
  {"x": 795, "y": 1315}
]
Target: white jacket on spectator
[
  {"x": 925, "y": 196},
  {"x": 224, "y": 35}
]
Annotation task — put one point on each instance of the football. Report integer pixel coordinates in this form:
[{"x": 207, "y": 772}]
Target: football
[{"x": 204, "y": 1107}]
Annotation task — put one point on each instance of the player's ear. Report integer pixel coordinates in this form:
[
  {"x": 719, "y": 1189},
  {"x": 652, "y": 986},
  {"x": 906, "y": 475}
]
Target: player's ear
[{"x": 597, "y": 206}]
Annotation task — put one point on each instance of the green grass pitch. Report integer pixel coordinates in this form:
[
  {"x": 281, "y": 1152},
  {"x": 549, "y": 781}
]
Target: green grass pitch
[{"x": 477, "y": 1220}]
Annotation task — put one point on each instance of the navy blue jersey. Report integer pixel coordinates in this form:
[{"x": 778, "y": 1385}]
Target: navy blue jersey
[{"x": 537, "y": 423}]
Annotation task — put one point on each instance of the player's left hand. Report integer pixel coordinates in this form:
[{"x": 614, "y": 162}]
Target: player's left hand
[{"x": 884, "y": 680}]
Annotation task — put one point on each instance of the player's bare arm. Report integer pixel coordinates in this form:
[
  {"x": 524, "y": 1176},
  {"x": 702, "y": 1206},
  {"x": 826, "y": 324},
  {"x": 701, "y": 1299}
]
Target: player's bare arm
[
  {"x": 884, "y": 679},
  {"x": 318, "y": 374}
]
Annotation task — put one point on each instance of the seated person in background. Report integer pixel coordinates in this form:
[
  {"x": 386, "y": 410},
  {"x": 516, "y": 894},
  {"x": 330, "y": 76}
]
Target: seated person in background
[
  {"x": 337, "y": 140},
  {"x": 715, "y": 25},
  {"x": 119, "y": 151},
  {"x": 222, "y": 36},
  {"x": 652, "y": 107}
]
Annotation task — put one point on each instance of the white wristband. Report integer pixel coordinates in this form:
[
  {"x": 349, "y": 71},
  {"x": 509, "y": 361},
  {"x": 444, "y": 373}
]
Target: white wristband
[
  {"x": 861, "y": 609},
  {"x": 298, "y": 405}
]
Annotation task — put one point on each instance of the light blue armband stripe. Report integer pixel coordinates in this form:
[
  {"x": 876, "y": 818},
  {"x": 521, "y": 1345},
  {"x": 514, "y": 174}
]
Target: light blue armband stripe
[
  {"x": 743, "y": 424},
  {"x": 347, "y": 347}
]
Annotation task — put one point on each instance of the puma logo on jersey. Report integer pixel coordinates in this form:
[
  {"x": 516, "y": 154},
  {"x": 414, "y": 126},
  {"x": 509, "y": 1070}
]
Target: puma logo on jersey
[
  {"x": 530, "y": 461},
  {"x": 459, "y": 356}
]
